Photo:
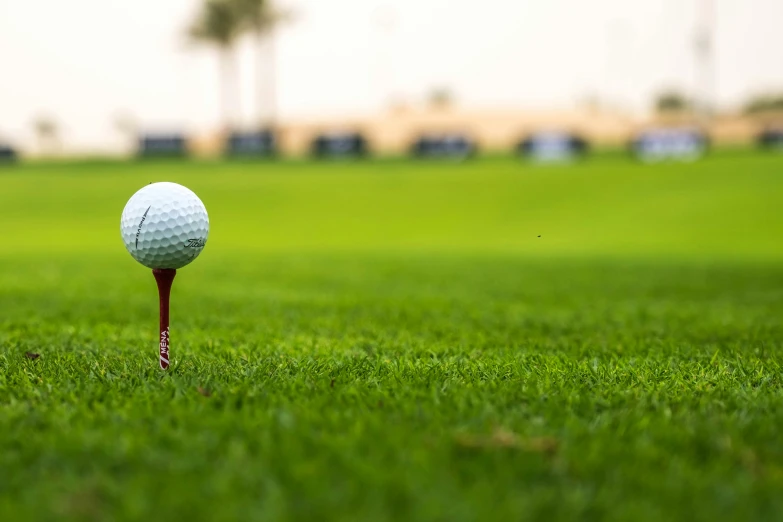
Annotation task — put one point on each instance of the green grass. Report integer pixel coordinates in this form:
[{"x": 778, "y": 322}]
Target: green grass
[{"x": 394, "y": 341}]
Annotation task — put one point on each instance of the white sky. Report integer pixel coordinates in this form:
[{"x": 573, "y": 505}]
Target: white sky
[{"x": 84, "y": 62}]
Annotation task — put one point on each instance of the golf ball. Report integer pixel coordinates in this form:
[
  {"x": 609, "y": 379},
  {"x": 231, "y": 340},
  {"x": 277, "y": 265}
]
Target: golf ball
[{"x": 164, "y": 225}]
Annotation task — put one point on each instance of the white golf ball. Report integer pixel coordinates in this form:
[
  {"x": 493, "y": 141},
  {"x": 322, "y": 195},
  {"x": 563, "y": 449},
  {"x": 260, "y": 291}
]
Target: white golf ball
[{"x": 164, "y": 225}]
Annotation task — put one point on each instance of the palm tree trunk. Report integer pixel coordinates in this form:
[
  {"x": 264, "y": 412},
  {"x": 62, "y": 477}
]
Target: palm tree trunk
[
  {"x": 273, "y": 78},
  {"x": 260, "y": 94},
  {"x": 227, "y": 87},
  {"x": 266, "y": 78}
]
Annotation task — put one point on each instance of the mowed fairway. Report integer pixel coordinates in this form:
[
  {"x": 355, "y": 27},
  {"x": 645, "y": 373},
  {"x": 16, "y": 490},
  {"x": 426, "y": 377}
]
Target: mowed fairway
[{"x": 398, "y": 340}]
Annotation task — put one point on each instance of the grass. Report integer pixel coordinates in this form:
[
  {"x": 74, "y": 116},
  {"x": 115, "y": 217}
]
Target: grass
[{"x": 392, "y": 340}]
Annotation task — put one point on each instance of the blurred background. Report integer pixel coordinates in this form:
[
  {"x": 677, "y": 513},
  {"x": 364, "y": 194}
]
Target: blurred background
[
  {"x": 88, "y": 77},
  {"x": 386, "y": 337}
]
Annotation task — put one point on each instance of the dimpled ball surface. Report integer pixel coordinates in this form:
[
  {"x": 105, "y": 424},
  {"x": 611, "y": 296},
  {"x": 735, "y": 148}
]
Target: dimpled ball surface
[{"x": 164, "y": 225}]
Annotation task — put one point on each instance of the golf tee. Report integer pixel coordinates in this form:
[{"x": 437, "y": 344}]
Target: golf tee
[{"x": 164, "y": 277}]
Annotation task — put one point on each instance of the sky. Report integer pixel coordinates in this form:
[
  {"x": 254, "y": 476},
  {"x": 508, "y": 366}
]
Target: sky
[{"x": 88, "y": 63}]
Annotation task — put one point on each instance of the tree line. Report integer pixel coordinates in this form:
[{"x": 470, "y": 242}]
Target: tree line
[{"x": 676, "y": 101}]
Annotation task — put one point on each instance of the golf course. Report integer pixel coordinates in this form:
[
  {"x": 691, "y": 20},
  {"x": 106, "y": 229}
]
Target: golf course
[{"x": 393, "y": 339}]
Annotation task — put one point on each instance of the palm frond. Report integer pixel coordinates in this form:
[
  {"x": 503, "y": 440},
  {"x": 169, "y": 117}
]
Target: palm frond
[
  {"x": 260, "y": 15},
  {"x": 218, "y": 22}
]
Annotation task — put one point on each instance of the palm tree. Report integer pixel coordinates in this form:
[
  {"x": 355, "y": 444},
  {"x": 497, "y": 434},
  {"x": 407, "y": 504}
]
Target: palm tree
[
  {"x": 260, "y": 18},
  {"x": 218, "y": 24},
  {"x": 126, "y": 126},
  {"x": 48, "y": 134}
]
